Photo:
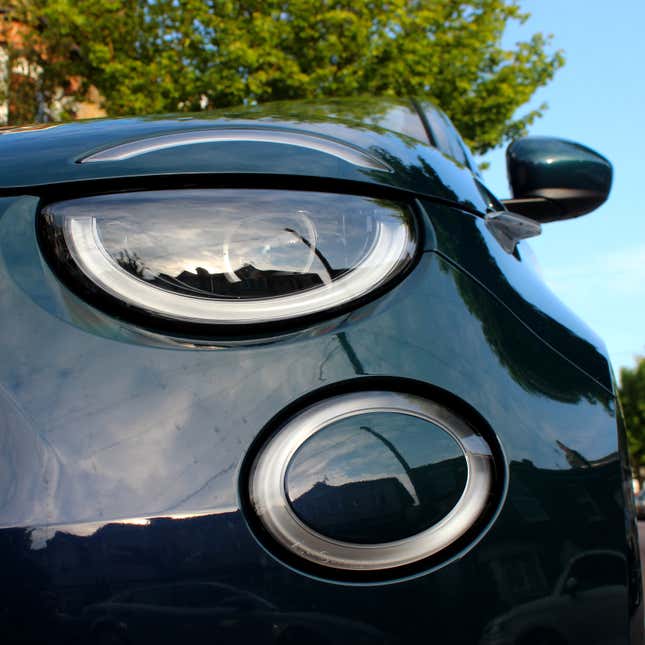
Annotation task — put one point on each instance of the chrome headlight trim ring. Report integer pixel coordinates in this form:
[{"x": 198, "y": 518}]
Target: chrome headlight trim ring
[
  {"x": 269, "y": 501},
  {"x": 389, "y": 253}
]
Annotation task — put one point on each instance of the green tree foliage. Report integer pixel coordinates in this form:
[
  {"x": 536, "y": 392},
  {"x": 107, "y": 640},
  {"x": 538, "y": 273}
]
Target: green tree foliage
[
  {"x": 632, "y": 398},
  {"x": 148, "y": 56}
]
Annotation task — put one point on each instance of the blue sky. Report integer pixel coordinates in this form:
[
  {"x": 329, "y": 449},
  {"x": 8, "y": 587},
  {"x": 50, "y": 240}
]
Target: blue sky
[{"x": 596, "y": 263}]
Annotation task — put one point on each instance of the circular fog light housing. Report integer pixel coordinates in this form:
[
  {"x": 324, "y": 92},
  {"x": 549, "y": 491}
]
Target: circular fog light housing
[{"x": 372, "y": 481}]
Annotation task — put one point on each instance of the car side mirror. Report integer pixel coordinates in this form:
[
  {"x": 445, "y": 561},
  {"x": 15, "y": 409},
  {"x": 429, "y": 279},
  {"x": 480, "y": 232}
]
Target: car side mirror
[{"x": 553, "y": 179}]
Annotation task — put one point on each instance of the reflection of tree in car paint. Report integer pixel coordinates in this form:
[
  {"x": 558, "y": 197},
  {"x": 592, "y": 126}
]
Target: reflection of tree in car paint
[
  {"x": 586, "y": 605},
  {"x": 376, "y": 477},
  {"x": 114, "y": 562}
]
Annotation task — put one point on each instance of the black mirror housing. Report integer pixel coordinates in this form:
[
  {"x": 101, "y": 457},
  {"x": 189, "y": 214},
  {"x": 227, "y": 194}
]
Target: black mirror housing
[{"x": 554, "y": 179}]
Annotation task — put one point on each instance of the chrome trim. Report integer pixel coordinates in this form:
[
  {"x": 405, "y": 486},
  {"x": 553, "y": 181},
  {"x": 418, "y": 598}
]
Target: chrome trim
[
  {"x": 342, "y": 151},
  {"x": 510, "y": 228},
  {"x": 269, "y": 497}
]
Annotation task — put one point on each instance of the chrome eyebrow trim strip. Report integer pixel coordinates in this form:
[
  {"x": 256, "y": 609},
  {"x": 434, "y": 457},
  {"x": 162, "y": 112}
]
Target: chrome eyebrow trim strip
[{"x": 300, "y": 139}]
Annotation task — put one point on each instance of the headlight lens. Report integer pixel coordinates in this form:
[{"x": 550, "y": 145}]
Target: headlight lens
[{"x": 224, "y": 256}]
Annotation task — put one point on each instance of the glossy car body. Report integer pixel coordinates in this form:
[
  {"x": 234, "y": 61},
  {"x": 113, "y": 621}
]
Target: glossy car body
[{"x": 124, "y": 444}]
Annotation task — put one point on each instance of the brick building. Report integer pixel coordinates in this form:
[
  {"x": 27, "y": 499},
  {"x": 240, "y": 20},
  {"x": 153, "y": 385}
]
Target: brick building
[{"x": 18, "y": 85}]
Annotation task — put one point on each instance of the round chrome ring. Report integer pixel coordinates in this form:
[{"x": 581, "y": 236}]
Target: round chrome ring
[{"x": 269, "y": 497}]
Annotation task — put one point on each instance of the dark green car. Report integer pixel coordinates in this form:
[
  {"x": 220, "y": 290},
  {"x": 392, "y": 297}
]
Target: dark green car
[{"x": 288, "y": 374}]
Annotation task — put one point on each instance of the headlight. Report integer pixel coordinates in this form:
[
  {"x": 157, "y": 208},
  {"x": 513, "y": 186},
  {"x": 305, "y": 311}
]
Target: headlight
[
  {"x": 224, "y": 256},
  {"x": 371, "y": 481}
]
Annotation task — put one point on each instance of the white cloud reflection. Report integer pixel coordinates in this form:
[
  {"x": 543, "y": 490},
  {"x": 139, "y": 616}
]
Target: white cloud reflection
[{"x": 223, "y": 230}]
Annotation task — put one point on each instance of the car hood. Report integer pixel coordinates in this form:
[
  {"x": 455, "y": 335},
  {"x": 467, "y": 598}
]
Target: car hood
[{"x": 374, "y": 141}]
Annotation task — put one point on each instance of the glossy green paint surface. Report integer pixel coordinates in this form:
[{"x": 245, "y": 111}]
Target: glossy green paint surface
[
  {"x": 570, "y": 178},
  {"x": 37, "y": 159},
  {"x": 537, "y": 163},
  {"x": 123, "y": 449},
  {"x": 514, "y": 279}
]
